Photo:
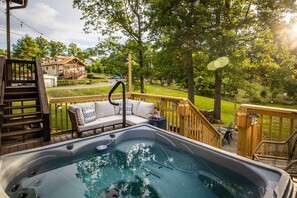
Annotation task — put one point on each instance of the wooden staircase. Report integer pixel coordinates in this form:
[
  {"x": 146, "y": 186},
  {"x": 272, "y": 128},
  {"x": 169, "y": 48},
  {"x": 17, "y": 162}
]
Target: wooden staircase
[{"x": 25, "y": 112}]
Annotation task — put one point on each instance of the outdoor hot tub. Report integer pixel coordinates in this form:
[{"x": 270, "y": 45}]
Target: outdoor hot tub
[{"x": 139, "y": 161}]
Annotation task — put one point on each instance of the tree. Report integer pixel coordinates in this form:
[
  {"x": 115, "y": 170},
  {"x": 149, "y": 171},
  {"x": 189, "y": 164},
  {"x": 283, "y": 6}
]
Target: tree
[
  {"x": 43, "y": 45},
  {"x": 26, "y": 49},
  {"x": 236, "y": 24},
  {"x": 3, "y": 52},
  {"x": 179, "y": 26},
  {"x": 56, "y": 48},
  {"x": 109, "y": 17}
]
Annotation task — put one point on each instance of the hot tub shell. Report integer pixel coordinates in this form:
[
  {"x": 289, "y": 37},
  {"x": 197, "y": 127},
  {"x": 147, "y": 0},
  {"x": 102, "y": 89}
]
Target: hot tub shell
[{"x": 273, "y": 181}]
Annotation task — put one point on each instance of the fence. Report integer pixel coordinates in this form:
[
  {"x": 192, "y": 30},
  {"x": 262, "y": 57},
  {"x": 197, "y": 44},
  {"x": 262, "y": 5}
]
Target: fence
[
  {"x": 256, "y": 123},
  {"x": 182, "y": 116}
]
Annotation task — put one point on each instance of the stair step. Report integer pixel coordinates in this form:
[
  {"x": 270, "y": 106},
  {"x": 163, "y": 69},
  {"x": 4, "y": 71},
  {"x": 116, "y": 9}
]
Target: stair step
[
  {"x": 19, "y": 100},
  {"x": 20, "y": 87},
  {"x": 21, "y": 132},
  {"x": 21, "y": 107},
  {"x": 24, "y": 81},
  {"x": 20, "y": 93},
  {"x": 22, "y": 114},
  {"x": 22, "y": 122}
]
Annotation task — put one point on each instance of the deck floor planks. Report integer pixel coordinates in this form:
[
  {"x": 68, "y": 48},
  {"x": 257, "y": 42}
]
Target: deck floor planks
[{"x": 22, "y": 147}]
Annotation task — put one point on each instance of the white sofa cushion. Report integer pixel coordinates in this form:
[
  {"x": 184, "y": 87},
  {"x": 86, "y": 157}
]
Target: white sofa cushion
[
  {"x": 129, "y": 107},
  {"x": 96, "y": 124},
  {"x": 133, "y": 120},
  {"x": 104, "y": 109},
  {"x": 117, "y": 108},
  {"x": 79, "y": 114},
  {"x": 145, "y": 109},
  {"x": 135, "y": 105},
  {"x": 111, "y": 120}
]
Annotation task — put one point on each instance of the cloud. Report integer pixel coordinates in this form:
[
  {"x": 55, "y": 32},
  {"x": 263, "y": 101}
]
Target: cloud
[{"x": 55, "y": 19}]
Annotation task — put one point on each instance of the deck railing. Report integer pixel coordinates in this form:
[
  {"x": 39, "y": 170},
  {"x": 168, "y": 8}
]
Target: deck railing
[
  {"x": 256, "y": 123},
  {"x": 182, "y": 117}
]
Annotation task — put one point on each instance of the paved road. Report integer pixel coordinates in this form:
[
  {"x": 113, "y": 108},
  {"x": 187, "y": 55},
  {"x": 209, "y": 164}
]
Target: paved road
[{"x": 110, "y": 83}]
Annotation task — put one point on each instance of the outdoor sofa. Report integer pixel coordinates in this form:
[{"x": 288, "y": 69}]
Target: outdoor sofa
[{"x": 98, "y": 115}]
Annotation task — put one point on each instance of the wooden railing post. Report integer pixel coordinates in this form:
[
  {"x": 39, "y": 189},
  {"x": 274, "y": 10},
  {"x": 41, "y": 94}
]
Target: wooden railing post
[
  {"x": 184, "y": 113},
  {"x": 248, "y": 133},
  {"x": 241, "y": 122}
]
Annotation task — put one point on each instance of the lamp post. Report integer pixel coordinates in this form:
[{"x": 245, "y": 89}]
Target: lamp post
[{"x": 23, "y": 4}]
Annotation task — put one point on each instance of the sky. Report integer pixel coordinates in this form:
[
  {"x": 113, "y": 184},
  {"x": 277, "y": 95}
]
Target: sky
[{"x": 56, "y": 19}]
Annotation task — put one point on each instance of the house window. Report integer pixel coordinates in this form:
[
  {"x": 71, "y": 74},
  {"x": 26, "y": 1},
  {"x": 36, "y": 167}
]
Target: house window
[
  {"x": 53, "y": 67},
  {"x": 46, "y": 68}
]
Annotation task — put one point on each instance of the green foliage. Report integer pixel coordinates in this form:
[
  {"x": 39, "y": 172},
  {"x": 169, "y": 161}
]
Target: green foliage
[
  {"x": 3, "y": 52},
  {"x": 90, "y": 75},
  {"x": 43, "y": 45},
  {"x": 110, "y": 17},
  {"x": 57, "y": 48},
  {"x": 26, "y": 49},
  {"x": 263, "y": 93},
  {"x": 204, "y": 86}
]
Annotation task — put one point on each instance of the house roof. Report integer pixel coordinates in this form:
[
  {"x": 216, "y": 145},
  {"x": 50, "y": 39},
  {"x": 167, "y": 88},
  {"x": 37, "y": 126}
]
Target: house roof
[{"x": 65, "y": 60}]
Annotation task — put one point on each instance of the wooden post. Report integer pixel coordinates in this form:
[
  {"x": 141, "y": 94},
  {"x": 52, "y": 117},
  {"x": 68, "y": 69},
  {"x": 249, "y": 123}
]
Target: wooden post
[
  {"x": 184, "y": 112},
  {"x": 8, "y": 28},
  {"x": 248, "y": 134},
  {"x": 130, "y": 72},
  {"x": 241, "y": 122}
]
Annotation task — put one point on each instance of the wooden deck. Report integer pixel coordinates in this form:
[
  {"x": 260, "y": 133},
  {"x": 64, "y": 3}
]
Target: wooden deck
[{"x": 5, "y": 149}]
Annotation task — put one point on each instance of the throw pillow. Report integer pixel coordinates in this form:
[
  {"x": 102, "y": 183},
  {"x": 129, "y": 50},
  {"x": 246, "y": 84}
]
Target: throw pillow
[
  {"x": 145, "y": 109},
  {"x": 89, "y": 113},
  {"x": 128, "y": 110},
  {"x": 135, "y": 105}
]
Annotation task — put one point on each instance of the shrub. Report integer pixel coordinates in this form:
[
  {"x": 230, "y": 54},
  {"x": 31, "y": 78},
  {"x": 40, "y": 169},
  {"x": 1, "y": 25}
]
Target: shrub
[{"x": 90, "y": 76}]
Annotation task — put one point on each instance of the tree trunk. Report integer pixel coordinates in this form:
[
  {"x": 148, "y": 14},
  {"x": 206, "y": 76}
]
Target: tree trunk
[
  {"x": 217, "y": 97},
  {"x": 141, "y": 68},
  {"x": 190, "y": 78}
]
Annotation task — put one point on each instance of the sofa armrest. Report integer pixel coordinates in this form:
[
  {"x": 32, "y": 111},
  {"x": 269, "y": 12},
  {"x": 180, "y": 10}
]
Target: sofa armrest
[{"x": 74, "y": 121}]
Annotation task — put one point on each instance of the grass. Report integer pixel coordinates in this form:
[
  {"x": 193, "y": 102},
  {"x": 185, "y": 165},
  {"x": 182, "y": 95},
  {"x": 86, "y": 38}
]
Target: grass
[
  {"x": 227, "y": 108},
  {"x": 58, "y": 93},
  {"x": 205, "y": 103}
]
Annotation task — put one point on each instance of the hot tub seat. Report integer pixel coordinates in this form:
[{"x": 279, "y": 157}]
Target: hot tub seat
[{"x": 98, "y": 115}]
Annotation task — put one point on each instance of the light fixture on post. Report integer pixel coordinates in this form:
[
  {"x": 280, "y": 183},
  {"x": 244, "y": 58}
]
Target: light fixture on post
[{"x": 253, "y": 118}]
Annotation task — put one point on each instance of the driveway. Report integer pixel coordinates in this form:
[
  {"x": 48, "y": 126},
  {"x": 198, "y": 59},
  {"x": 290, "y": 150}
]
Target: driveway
[{"x": 111, "y": 82}]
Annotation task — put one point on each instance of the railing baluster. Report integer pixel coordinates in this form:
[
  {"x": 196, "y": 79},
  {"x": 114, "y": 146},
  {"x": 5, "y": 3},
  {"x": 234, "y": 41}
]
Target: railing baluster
[
  {"x": 280, "y": 128},
  {"x": 61, "y": 110},
  {"x": 270, "y": 128},
  {"x": 67, "y": 116},
  {"x": 291, "y": 126}
]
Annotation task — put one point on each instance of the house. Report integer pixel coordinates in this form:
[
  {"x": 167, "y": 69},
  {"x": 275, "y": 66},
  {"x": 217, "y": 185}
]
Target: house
[{"x": 65, "y": 67}]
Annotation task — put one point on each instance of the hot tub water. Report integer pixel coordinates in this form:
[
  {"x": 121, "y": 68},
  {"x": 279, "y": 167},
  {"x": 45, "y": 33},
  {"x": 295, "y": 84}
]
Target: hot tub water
[{"x": 133, "y": 168}]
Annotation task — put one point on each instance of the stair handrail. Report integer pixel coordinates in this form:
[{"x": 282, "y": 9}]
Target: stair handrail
[
  {"x": 43, "y": 100},
  {"x": 2, "y": 82},
  {"x": 2, "y": 86},
  {"x": 123, "y": 96}
]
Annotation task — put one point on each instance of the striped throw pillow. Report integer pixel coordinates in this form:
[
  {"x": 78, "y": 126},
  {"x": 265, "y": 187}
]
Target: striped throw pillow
[
  {"x": 89, "y": 113},
  {"x": 128, "y": 110}
]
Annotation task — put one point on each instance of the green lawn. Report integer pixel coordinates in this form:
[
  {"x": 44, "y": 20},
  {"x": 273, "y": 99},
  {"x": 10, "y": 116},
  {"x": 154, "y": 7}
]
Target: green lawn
[
  {"x": 227, "y": 108},
  {"x": 200, "y": 102}
]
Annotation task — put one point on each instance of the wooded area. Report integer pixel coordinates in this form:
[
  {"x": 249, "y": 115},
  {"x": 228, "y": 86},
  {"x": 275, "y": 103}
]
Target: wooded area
[{"x": 173, "y": 41}]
